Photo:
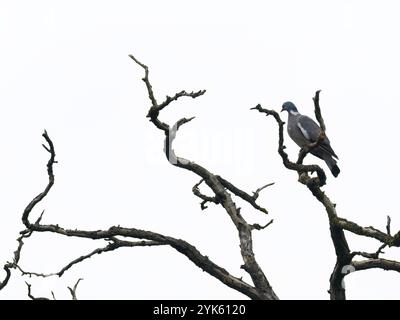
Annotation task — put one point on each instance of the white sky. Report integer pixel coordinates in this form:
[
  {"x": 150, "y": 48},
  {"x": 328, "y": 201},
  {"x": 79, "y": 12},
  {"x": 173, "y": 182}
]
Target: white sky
[{"x": 65, "y": 67}]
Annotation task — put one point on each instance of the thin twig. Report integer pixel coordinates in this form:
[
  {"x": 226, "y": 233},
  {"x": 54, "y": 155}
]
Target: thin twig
[
  {"x": 31, "y": 296},
  {"x": 73, "y": 290}
]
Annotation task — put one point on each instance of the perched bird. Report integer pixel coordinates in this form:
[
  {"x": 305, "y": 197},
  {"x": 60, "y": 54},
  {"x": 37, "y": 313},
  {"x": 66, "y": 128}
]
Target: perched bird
[{"x": 304, "y": 131}]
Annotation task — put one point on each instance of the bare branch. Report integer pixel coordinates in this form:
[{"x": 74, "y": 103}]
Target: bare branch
[
  {"x": 260, "y": 281},
  {"x": 7, "y": 277},
  {"x": 115, "y": 244},
  {"x": 181, "y": 246},
  {"x": 32, "y": 273},
  {"x": 110, "y": 247},
  {"x": 256, "y": 194},
  {"x": 376, "y": 263},
  {"x": 317, "y": 110},
  {"x": 374, "y": 255},
  {"x": 146, "y": 81},
  {"x": 245, "y": 196},
  {"x": 17, "y": 254},
  {"x": 370, "y": 232},
  {"x": 261, "y": 289},
  {"x": 178, "y": 95},
  {"x": 305, "y": 150},
  {"x": 31, "y": 296},
  {"x": 73, "y": 290},
  {"x": 196, "y": 192},
  {"x": 50, "y": 174},
  {"x": 388, "y": 225},
  {"x": 224, "y": 191},
  {"x": 256, "y": 226},
  {"x": 169, "y": 139}
]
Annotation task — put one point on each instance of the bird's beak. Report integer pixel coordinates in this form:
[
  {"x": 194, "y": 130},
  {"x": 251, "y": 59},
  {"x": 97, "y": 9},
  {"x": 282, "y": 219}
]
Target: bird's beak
[{"x": 282, "y": 110}]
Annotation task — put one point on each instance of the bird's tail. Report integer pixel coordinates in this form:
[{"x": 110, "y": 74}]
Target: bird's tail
[{"x": 332, "y": 166}]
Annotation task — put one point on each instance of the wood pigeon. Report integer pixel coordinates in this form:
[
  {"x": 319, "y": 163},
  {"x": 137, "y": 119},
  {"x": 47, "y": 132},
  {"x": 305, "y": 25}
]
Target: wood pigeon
[{"x": 304, "y": 131}]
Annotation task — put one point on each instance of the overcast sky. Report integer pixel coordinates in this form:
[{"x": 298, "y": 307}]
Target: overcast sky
[{"x": 64, "y": 67}]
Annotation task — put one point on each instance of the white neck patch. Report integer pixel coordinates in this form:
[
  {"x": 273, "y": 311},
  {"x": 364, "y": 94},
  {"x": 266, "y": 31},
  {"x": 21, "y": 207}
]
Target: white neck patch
[{"x": 293, "y": 112}]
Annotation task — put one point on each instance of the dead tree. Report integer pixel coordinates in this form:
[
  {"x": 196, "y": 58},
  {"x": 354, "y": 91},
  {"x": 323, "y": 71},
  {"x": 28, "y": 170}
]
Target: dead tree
[
  {"x": 345, "y": 262},
  {"x": 223, "y": 193}
]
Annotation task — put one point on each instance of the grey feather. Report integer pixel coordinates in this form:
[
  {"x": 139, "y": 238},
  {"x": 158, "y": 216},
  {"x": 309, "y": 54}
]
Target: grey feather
[{"x": 311, "y": 131}]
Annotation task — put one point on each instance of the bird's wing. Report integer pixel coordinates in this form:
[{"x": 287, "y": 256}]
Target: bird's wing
[
  {"x": 308, "y": 128},
  {"x": 311, "y": 131}
]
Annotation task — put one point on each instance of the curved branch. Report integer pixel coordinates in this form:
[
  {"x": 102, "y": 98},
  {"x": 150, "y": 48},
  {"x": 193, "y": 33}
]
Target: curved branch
[
  {"x": 203, "y": 197},
  {"x": 153, "y": 238},
  {"x": 369, "y": 232},
  {"x": 50, "y": 174},
  {"x": 115, "y": 244},
  {"x": 17, "y": 255},
  {"x": 7, "y": 277},
  {"x": 376, "y": 263},
  {"x": 31, "y": 296},
  {"x": 178, "y": 95},
  {"x": 299, "y": 167},
  {"x": 179, "y": 245},
  {"x": 317, "y": 110},
  {"x": 224, "y": 198}
]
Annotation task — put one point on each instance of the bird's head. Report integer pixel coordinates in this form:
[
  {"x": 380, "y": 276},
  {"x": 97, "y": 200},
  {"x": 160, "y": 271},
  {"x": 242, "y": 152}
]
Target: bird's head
[{"x": 289, "y": 106}]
